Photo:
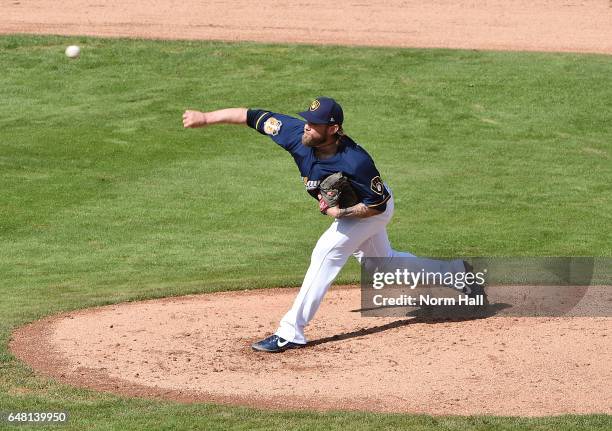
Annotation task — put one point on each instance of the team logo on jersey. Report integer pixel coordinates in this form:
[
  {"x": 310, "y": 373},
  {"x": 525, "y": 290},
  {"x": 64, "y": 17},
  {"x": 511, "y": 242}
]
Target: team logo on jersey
[
  {"x": 315, "y": 105},
  {"x": 272, "y": 126},
  {"x": 377, "y": 185},
  {"x": 310, "y": 184}
]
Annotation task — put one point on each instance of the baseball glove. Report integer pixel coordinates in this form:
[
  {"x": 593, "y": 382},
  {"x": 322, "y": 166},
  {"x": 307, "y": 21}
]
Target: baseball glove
[{"x": 336, "y": 190}]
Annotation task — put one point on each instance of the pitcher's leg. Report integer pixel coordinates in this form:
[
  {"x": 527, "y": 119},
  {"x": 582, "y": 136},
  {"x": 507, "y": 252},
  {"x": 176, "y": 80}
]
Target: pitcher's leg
[
  {"x": 378, "y": 246},
  {"x": 328, "y": 257}
]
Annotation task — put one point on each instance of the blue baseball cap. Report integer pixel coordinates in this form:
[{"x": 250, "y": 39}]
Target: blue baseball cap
[{"x": 323, "y": 110}]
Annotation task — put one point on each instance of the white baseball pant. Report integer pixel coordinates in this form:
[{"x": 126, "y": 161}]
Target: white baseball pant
[{"x": 360, "y": 237}]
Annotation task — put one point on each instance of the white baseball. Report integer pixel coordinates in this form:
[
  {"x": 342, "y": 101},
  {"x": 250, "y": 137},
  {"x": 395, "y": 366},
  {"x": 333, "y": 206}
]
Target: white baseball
[{"x": 73, "y": 51}]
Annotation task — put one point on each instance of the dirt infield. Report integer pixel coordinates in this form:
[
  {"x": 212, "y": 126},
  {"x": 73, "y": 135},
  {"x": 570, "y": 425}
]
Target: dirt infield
[
  {"x": 196, "y": 348},
  {"x": 535, "y": 25}
]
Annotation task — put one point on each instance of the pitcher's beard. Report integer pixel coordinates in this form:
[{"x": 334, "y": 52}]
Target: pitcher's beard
[{"x": 309, "y": 141}]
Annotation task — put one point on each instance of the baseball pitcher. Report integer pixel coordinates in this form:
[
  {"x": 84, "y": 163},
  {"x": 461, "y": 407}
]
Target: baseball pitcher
[{"x": 342, "y": 177}]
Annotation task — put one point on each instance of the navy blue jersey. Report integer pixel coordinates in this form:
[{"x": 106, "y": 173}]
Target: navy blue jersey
[{"x": 350, "y": 159}]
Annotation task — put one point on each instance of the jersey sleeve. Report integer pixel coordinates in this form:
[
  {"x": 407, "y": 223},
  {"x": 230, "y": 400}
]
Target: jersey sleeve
[
  {"x": 286, "y": 131},
  {"x": 369, "y": 186}
]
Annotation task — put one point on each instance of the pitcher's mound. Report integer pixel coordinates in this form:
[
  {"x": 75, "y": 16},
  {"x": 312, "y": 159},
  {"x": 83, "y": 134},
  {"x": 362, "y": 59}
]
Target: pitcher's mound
[{"x": 197, "y": 348}]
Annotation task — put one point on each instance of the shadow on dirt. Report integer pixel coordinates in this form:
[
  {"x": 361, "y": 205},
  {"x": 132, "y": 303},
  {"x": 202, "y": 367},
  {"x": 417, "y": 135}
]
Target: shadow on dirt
[{"x": 421, "y": 315}]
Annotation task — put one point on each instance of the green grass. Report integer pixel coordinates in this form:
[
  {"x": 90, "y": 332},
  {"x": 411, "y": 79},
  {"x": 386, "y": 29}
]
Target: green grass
[{"x": 106, "y": 198}]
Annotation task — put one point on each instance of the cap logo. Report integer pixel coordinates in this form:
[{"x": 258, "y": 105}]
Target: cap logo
[{"x": 315, "y": 105}]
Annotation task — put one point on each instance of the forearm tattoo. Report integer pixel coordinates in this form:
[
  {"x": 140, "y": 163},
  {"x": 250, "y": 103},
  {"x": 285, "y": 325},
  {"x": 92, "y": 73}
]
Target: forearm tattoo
[{"x": 360, "y": 210}]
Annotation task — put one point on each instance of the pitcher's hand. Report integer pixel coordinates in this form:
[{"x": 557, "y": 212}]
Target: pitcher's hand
[{"x": 192, "y": 119}]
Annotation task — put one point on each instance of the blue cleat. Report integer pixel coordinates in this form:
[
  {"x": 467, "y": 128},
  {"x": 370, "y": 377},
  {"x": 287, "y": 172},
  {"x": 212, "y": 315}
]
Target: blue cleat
[{"x": 275, "y": 344}]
